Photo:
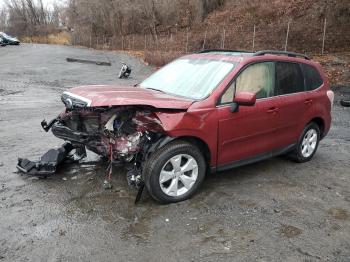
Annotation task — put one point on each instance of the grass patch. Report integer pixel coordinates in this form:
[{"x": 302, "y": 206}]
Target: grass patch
[{"x": 62, "y": 38}]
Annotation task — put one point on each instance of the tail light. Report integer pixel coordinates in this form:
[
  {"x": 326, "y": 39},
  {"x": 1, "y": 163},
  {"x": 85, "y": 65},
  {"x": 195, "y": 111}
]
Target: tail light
[{"x": 330, "y": 95}]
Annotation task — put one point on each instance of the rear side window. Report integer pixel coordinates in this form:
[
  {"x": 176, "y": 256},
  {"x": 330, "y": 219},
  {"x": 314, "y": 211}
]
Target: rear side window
[
  {"x": 313, "y": 79},
  {"x": 289, "y": 78}
]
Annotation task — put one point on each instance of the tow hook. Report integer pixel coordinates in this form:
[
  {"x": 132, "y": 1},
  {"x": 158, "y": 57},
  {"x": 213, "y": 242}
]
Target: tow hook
[{"x": 47, "y": 126}]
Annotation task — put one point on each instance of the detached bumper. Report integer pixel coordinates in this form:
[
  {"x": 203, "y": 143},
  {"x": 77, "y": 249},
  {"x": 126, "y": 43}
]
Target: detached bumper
[{"x": 48, "y": 162}]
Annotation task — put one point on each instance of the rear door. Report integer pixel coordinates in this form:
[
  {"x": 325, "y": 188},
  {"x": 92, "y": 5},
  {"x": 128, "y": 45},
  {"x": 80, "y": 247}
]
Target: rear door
[{"x": 290, "y": 90}]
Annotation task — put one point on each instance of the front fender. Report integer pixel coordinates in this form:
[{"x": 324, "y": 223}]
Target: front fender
[{"x": 201, "y": 124}]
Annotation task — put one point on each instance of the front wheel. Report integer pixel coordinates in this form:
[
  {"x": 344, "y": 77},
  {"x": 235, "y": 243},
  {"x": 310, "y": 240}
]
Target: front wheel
[
  {"x": 175, "y": 172},
  {"x": 307, "y": 144}
]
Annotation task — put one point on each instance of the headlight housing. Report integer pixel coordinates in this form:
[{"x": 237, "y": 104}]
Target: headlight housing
[{"x": 72, "y": 101}]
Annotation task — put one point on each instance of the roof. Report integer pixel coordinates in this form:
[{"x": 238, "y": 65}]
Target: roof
[{"x": 239, "y": 55}]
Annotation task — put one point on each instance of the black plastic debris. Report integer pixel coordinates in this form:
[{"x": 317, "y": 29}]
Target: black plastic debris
[
  {"x": 125, "y": 71},
  {"x": 345, "y": 102},
  {"x": 48, "y": 162},
  {"x": 134, "y": 179}
]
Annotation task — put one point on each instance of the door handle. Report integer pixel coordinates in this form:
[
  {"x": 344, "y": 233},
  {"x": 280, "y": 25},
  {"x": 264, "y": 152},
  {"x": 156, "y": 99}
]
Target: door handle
[
  {"x": 273, "y": 110},
  {"x": 308, "y": 102}
]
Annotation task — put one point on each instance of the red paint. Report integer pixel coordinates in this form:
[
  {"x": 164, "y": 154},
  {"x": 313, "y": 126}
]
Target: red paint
[
  {"x": 245, "y": 98},
  {"x": 129, "y": 95},
  {"x": 267, "y": 125}
]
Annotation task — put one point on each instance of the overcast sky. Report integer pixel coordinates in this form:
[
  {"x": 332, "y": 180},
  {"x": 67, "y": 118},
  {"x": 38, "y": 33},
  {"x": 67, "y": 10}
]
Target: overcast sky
[{"x": 47, "y": 3}]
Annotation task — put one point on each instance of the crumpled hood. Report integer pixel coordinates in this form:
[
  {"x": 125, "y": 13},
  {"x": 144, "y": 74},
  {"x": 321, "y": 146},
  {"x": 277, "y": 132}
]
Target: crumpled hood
[{"x": 107, "y": 95}]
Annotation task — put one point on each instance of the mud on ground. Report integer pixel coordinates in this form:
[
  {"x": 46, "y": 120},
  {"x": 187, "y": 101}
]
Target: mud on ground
[{"x": 274, "y": 210}]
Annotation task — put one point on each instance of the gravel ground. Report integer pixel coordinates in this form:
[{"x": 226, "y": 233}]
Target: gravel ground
[{"x": 274, "y": 210}]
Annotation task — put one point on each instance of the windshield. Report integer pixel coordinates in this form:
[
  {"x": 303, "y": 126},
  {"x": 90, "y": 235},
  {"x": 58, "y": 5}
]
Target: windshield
[
  {"x": 192, "y": 78},
  {"x": 5, "y": 35}
]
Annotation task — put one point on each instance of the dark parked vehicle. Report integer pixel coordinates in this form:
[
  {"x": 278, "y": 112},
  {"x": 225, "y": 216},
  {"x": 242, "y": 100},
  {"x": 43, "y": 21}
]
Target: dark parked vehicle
[
  {"x": 9, "y": 40},
  {"x": 2, "y": 42}
]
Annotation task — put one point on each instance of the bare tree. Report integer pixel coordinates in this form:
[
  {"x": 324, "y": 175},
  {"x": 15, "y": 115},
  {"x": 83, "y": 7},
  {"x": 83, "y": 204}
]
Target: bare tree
[{"x": 29, "y": 17}]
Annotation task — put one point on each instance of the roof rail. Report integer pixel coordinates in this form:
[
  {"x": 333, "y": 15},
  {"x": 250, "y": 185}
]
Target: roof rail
[
  {"x": 273, "y": 52},
  {"x": 222, "y": 50}
]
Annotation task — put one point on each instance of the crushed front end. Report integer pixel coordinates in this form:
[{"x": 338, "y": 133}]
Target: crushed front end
[
  {"x": 122, "y": 131},
  {"x": 121, "y": 134}
]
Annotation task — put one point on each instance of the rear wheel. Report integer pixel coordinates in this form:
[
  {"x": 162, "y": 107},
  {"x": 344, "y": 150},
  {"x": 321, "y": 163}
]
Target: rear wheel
[
  {"x": 308, "y": 143},
  {"x": 175, "y": 172}
]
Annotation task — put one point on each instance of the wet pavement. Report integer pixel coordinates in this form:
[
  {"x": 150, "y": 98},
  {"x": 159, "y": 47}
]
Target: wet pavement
[{"x": 274, "y": 210}]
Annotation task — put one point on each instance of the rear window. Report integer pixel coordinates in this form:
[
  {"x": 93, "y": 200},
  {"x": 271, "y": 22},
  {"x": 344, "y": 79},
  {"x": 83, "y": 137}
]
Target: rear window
[
  {"x": 289, "y": 78},
  {"x": 313, "y": 79}
]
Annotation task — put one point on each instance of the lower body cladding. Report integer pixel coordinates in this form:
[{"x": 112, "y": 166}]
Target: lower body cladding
[{"x": 124, "y": 135}]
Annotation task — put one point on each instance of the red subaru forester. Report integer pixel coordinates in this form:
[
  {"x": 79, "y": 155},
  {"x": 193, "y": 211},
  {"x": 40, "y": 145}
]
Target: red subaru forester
[{"x": 208, "y": 111}]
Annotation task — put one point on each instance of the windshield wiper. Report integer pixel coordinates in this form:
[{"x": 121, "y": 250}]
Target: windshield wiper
[{"x": 156, "y": 89}]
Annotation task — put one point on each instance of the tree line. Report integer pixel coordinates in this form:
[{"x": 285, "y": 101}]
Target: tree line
[{"x": 103, "y": 17}]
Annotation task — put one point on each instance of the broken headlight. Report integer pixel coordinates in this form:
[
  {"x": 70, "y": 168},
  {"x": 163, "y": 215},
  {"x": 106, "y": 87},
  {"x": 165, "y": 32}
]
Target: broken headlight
[{"x": 72, "y": 101}]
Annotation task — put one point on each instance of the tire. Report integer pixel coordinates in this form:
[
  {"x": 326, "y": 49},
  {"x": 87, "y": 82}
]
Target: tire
[
  {"x": 345, "y": 103},
  {"x": 172, "y": 160},
  {"x": 307, "y": 147}
]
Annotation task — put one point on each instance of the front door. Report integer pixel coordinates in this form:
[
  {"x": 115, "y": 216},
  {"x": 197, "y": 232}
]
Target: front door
[{"x": 252, "y": 130}]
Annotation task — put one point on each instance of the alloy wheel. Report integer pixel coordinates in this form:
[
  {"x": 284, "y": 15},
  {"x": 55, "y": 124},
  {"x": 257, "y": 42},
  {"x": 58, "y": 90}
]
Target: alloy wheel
[
  {"x": 178, "y": 175},
  {"x": 309, "y": 143}
]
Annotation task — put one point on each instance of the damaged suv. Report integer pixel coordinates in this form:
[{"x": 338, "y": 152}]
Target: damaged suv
[{"x": 203, "y": 112}]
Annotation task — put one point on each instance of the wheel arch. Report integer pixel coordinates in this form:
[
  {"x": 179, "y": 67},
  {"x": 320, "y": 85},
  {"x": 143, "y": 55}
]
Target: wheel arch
[
  {"x": 321, "y": 124},
  {"x": 201, "y": 144},
  {"x": 198, "y": 142}
]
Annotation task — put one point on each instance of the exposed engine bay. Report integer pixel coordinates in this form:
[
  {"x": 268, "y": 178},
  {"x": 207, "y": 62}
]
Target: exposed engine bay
[
  {"x": 122, "y": 135},
  {"x": 124, "y": 131}
]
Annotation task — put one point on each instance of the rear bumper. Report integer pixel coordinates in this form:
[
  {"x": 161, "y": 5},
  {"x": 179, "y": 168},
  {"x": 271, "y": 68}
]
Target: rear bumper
[{"x": 327, "y": 125}]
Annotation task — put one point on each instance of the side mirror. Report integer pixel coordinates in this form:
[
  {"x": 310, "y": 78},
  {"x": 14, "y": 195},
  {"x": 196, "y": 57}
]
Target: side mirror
[{"x": 243, "y": 99}]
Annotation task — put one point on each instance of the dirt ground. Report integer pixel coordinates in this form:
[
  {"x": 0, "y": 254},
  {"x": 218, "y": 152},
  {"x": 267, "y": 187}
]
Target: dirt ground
[{"x": 274, "y": 210}]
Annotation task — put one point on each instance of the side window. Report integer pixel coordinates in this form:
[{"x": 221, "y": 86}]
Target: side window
[
  {"x": 289, "y": 78},
  {"x": 227, "y": 97},
  {"x": 313, "y": 79},
  {"x": 258, "y": 78}
]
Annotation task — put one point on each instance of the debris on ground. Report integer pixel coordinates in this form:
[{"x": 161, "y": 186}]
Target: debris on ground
[
  {"x": 338, "y": 213},
  {"x": 107, "y": 184},
  {"x": 85, "y": 61},
  {"x": 48, "y": 163},
  {"x": 125, "y": 71},
  {"x": 290, "y": 231}
]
